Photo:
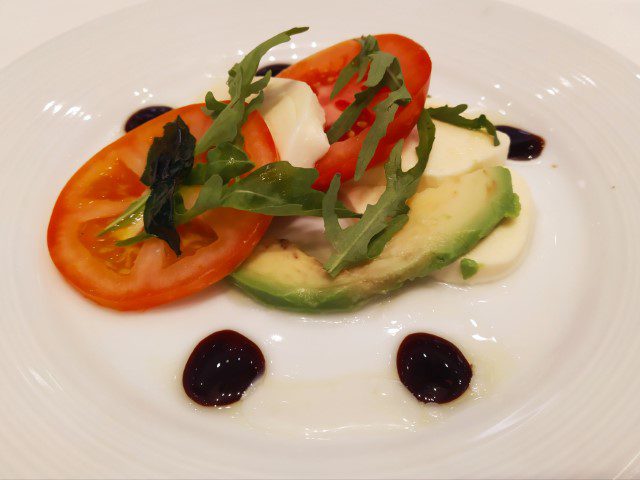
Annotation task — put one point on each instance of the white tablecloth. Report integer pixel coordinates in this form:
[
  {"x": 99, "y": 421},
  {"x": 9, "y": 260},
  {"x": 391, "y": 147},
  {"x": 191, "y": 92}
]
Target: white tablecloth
[{"x": 25, "y": 24}]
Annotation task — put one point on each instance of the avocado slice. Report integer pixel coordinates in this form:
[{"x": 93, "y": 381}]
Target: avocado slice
[{"x": 444, "y": 223}]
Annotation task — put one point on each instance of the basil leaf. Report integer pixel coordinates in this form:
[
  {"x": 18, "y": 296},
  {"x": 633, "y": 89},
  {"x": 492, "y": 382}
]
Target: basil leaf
[
  {"x": 366, "y": 239},
  {"x": 453, "y": 116},
  {"x": 129, "y": 216},
  {"x": 170, "y": 156},
  {"x": 274, "y": 189},
  {"x": 159, "y": 212},
  {"x": 241, "y": 85},
  {"x": 169, "y": 160},
  {"x": 357, "y": 66}
]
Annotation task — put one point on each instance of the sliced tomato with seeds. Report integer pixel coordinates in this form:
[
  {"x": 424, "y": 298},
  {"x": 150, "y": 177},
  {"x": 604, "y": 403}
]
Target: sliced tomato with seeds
[
  {"x": 147, "y": 274},
  {"x": 320, "y": 72}
]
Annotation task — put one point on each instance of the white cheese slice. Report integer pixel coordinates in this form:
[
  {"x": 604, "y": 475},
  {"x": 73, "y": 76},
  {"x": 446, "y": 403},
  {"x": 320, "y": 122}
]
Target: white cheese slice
[
  {"x": 456, "y": 151},
  {"x": 294, "y": 117}
]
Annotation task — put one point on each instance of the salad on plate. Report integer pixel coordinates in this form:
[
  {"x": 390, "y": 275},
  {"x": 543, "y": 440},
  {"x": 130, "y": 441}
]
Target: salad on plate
[{"x": 313, "y": 187}]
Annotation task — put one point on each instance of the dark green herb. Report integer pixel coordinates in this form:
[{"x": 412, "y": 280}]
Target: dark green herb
[
  {"x": 384, "y": 71},
  {"x": 169, "y": 160},
  {"x": 230, "y": 118},
  {"x": 453, "y": 115},
  {"x": 129, "y": 216},
  {"x": 228, "y": 161},
  {"x": 278, "y": 189},
  {"x": 366, "y": 239},
  {"x": 357, "y": 66}
]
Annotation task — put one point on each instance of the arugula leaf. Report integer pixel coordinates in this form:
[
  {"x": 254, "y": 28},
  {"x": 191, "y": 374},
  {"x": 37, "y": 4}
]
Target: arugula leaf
[
  {"x": 260, "y": 84},
  {"x": 213, "y": 106},
  {"x": 224, "y": 129},
  {"x": 128, "y": 217},
  {"x": 385, "y": 113},
  {"x": 381, "y": 239},
  {"x": 226, "y": 160},
  {"x": 350, "y": 114},
  {"x": 366, "y": 239},
  {"x": 210, "y": 196},
  {"x": 228, "y": 120},
  {"x": 380, "y": 62},
  {"x": 384, "y": 71},
  {"x": 357, "y": 66},
  {"x": 169, "y": 160},
  {"x": 453, "y": 116},
  {"x": 277, "y": 189},
  {"x": 141, "y": 237}
]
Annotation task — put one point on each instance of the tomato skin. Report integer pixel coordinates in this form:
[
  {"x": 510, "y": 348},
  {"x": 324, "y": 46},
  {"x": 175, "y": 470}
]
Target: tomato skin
[
  {"x": 322, "y": 68},
  {"x": 148, "y": 274}
]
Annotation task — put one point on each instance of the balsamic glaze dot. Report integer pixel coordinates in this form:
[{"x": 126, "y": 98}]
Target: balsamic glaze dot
[
  {"x": 524, "y": 145},
  {"x": 221, "y": 368},
  {"x": 143, "y": 116},
  {"x": 433, "y": 369}
]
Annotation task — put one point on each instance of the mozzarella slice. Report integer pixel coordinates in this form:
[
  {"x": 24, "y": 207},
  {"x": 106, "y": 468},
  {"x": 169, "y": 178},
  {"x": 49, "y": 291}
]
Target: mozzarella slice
[
  {"x": 456, "y": 151},
  {"x": 500, "y": 252},
  {"x": 294, "y": 117}
]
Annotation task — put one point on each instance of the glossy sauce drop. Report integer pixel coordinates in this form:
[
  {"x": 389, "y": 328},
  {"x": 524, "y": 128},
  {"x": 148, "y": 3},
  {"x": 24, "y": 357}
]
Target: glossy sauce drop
[
  {"x": 221, "y": 368},
  {"x": 143, "y": 116},
  {"x": 432, "y": 368},
  {"x": 276, "y": 68},
  {"x": 524, "y": 145}
]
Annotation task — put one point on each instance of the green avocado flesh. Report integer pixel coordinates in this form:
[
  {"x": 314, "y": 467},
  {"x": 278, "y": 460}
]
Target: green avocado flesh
[{"x": 444, "y": 224}]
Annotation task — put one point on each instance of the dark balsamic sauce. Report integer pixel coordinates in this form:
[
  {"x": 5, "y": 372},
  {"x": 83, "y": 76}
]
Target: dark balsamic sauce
[
  {"x": 524, "y": 145},
  {"x": 432, "y": 368},
  {"x": 144, "y": 115},
  {"x": 221, "y": 368},
  {"x": 276, "y": 68}
]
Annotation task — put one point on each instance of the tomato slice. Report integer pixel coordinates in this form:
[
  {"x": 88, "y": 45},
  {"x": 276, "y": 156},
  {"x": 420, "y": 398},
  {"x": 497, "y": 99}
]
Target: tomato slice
[
  {"x": 149, "y": 273},
  {"x": 320, "y": 72}
]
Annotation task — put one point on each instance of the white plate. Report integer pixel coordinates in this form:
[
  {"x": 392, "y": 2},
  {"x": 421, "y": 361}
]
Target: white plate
[{"x": 555, "y": 346}]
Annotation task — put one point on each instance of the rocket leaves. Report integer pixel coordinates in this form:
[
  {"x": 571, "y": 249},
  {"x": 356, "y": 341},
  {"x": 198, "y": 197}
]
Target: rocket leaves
[
  {"x": 366, "y": 239},
  {"x": 384, "y": 71},
  {"x": 453, "y": 115}
]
